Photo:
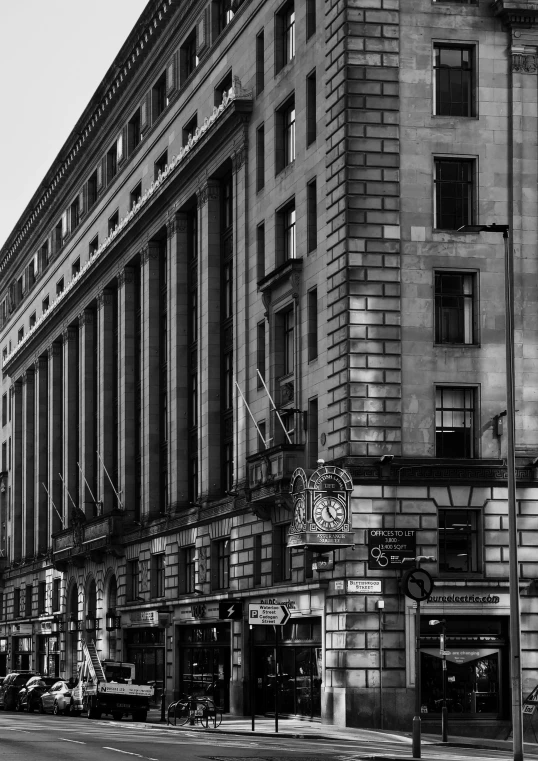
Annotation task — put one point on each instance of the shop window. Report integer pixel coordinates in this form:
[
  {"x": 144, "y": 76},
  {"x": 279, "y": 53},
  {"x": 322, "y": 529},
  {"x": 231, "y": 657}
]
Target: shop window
[
  {"x": 157, "y": 573},
  {"x": 285, "y": 135},
  {"x": 454, "y": 193},
  {"x": 455, "y": 308},
  {"x": 459, "y": 541},
  {"x": 454, "y": 80},
  {"x": 133, "y": 580},
  {"x": 281, "y": 554},
  {"x": 284, "y": 36},
  {"x": 220, "y": 564},
  {"x": 455, "y": 422}
]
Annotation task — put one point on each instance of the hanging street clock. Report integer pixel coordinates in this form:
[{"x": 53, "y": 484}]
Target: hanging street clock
[{"x": 322, "y": 509}]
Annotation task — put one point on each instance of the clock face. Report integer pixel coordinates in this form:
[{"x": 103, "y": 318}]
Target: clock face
[
  {"x": 329, "y": 514},
  {"x": 299, "y": 517}
]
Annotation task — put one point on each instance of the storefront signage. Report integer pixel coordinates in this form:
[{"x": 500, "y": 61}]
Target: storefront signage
[
  {"x": 144, "y": 618},
  {"x": 268, "y": 615},
  {"x": 389, "y": 548},
  {"x": 460, "y": 655},
  {"x": 362, "y": 586},
  {"x": 45, "y": 627},
  {"x": 231, "y": 610},
  {"x": 198, "y": 611},
  {"x": 472, "y": 599},
  {"x": 321, "y": 509},
  {"x": 21, "y": 629}
]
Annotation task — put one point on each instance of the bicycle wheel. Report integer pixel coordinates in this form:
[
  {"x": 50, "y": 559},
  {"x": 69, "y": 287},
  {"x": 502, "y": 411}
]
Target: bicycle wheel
[{"x": 182, "y": 712}]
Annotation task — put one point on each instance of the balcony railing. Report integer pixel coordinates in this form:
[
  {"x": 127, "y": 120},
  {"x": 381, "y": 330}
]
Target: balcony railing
[{"x": 92, "y": 538}]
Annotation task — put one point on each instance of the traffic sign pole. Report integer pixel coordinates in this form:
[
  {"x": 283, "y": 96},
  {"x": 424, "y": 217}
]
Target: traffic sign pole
[
  {"x": 276, "y": 679},
  {"x": 417, "y": 718},
  {"x": 252, "y": 677}
]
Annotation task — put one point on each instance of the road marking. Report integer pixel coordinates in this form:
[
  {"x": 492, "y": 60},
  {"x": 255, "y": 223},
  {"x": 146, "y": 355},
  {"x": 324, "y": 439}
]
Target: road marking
[
  {"x": 78, "y": 742},
  {"x": 127, "y": 752}
]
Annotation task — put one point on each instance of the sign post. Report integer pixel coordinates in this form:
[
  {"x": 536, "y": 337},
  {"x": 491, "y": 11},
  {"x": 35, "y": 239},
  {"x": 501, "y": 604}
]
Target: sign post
[
  {"x": 263, "y": 614},
  {"x": 418, "y": 585}
]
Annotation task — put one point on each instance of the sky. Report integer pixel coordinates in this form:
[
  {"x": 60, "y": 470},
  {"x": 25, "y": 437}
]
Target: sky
[{"x": 54, "y": 54}]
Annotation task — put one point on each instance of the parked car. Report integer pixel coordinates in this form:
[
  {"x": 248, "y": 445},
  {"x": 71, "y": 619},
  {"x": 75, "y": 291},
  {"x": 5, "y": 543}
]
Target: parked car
[
  {"x": 11, "y": 687},
  {"x": 30, "y": 695},
  {"x": 57, "y": 699}
]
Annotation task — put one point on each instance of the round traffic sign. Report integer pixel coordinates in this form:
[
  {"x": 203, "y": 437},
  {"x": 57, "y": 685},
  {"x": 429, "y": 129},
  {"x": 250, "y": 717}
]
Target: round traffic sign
[{"x": 417, "y": 584}]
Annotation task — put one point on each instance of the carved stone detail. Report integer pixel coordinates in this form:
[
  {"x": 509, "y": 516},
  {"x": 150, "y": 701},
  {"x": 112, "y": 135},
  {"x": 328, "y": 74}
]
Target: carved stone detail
[
  {"x": 209, "y": 192},
  {"x": 150, "y": 251},
  {"x": 54, "y": 350},
  {"x": 69, "y": 334},
  {"x": 104, "y": 298},
  {"x": 85, "y": 318},
  {"x": 125, "y": 276},
  {"x": 238, "y": 158},
  {"x": 525, "y": 63}
]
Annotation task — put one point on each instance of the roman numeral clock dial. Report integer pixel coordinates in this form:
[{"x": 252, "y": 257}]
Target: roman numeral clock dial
[{"x": 329, "y": 514}]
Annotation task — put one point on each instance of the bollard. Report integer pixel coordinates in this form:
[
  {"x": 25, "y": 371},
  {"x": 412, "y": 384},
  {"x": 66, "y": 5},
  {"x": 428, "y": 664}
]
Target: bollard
[{"x": 163, "y": 709}]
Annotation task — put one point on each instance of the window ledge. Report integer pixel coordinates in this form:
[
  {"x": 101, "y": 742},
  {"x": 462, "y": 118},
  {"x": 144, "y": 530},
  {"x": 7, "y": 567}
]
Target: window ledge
[{"x": 284, "y": 271}]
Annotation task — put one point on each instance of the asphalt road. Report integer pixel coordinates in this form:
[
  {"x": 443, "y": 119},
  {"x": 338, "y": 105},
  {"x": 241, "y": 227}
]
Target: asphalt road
[{"x": 34, "y": 737}]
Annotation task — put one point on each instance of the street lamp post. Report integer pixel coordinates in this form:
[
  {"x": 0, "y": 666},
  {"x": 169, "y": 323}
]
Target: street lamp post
[
  {"x": 442, "y": 648},
  {"x": 515, "y": 627}
]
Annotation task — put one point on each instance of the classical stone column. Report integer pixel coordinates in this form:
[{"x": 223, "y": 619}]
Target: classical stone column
[
  {"x": 241, "y": 312},
  {"x": 178, "y": 361},
  {"x": 126, "y": 386},
  {"x": 16, "y": 470},
  {"x": 150, "y": 380},
  {"x": 55, "y": 390},
  {"x": 70, "y": 420},
  {"x": 87, "y": 408},
  {"x": 28, "y": 462},
  {"x": 106, "y": 393},
  {"x": 209, "y": 353},
  {"x": 41, "y": 383}
]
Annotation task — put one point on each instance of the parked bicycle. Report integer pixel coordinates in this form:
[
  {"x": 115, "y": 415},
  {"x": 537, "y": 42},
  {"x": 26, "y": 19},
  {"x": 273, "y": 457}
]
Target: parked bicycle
[{"x": 195, "y": 710}]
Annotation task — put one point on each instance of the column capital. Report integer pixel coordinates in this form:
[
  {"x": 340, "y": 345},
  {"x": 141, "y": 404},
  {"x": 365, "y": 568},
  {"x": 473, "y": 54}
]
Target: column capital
[
  {"x": 208, "y": 192},
  {"x": 85, "y": 318},
  {"x": 27, "y": 375},
  {"x": 69, "y": 334},
  {"x": 177, "y": 223},
  {"x": 16, "y": 387},
  {"x": 150, "y": 251},
  {"x": 126, "y": 276},
  {"x": 104, "y": 298},
  {"x": 54, "y": 350},
  {"x": 239, "y": 157},
  {"x": 40, "y": 363}
]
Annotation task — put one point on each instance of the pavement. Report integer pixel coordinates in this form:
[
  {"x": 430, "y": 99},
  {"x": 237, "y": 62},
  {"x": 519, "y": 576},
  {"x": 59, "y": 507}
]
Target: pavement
[{"x": 305, "y": 729}]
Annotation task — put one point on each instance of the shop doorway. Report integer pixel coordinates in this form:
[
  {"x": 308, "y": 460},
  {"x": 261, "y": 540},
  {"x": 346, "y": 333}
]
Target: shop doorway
[
  {"x": 205, "y": 662},
  {"x": 145, "y": 648},
  {"x": 296, "y": 672}
]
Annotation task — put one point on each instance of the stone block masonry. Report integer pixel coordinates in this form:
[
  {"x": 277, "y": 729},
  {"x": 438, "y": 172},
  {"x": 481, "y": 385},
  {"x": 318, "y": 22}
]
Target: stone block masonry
[{"x": 363, "y": 236}]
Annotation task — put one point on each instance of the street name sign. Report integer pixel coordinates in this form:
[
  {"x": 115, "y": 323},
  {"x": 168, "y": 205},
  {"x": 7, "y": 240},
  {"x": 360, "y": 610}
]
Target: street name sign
[{"x": 268, "y": 615}]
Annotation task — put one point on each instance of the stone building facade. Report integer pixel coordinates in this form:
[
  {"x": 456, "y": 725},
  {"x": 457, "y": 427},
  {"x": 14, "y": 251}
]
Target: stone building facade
[{"x": 244, "y": 260}]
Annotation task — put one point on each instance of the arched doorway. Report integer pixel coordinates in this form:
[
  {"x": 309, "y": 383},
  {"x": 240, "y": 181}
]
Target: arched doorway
[{"x": 72, "y": 633}]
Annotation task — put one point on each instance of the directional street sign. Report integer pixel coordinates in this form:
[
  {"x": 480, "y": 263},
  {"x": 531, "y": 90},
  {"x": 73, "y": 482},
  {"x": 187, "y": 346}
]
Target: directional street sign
[
  {"x": 267, "y": 615},
  {"x": 417, "y": 584},
  {"x": 233, "y": 610}
]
